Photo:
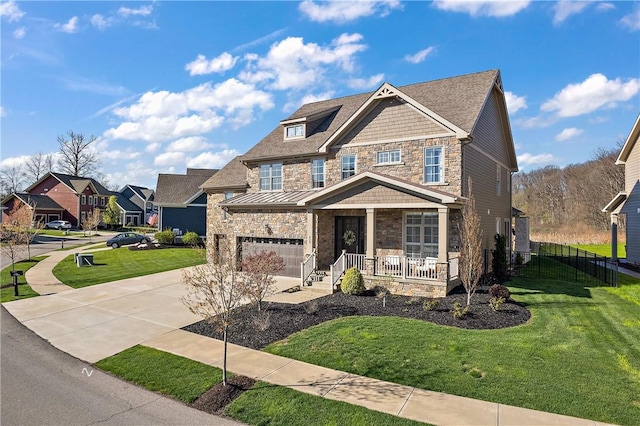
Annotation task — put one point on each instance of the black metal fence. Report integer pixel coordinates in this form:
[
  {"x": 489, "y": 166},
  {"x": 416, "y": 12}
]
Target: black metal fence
[{"x": 550, "y": 260}]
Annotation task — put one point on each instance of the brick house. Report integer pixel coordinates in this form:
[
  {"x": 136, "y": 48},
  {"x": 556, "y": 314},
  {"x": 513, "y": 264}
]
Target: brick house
[
  {"x": 58, "y": 196},
  {"x": 374, "y": 180}
]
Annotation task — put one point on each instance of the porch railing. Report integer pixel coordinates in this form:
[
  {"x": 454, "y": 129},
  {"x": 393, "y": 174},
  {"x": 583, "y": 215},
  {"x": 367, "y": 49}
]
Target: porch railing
[
  {"x": 356, "y": 260},
  {"x": 338, "y": 268},
  {"x": 406, "y": 267},
  {"x": 307, "y": 266}
]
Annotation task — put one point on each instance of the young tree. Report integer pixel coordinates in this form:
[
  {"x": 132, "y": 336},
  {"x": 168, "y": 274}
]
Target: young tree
[
  {"x": 14, "y": 236},
  {"x": 23, "y": 220},
  {"x": 111, "y": 214},
  {"x": 92, "y": 221},
  {"x": 77, "y": 156},
  {"x": 259, "y": 270},
  {"x": 215, "y": 290},
  {"x": 470, "y": 266}
]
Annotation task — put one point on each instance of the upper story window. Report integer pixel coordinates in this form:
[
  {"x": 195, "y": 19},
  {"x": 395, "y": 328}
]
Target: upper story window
[
  {"x": 388, "y": 157},
  {"x": 271, "y": 177},
  {"x": 83, "y": 199},
  {"x": 433, "y": 165},
  {"x": 498, "y": 179},
  {"x": 90, "y": 200},
  {"x": 348, "y": 165},
  {"x": 317, "y": 173},
  {"x": 295, "y": 131},
  {"x": 227, "y": 195}
]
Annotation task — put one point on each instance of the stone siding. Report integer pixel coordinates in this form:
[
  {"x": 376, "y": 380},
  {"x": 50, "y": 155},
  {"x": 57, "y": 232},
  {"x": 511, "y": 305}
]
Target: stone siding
[{"x": 408, "y": 287}]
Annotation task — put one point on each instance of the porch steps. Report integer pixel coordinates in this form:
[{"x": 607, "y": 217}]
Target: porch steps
[{"x": 319, "y": 281}]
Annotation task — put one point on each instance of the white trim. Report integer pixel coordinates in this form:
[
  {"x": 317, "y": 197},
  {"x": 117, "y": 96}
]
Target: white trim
[
  {"x": 395, "y": 140},
  {"x": 615, "y": 203},
  {"x": 443, "y": 168},
  {"x": 628, "y": 144},
  {"x": 424, "y": 205}
]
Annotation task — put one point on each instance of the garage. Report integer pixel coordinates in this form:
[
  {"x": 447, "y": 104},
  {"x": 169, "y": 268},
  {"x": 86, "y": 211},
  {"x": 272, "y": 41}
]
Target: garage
[{"x": 291, "y": 250}]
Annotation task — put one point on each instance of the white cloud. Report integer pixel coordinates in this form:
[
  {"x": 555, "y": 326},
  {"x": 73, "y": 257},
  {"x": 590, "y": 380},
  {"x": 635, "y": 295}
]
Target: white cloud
[
  {"x": 212, "y": 160},
  {"x": 307, "y": 99},
  {"x": 271, "y": 36},
  {"x": 153, "y": 147},
  {"x": 292, "y": 64},
  {"x": 100, "y": 21},
  {"x": 11, "y": 11},
  {"x": 201, "y": 65},
  {"x": 605, "y": 6},
  {"x": 595, "y": 92},
  {"x": 3, "y": 112},
  {"x": 527, "y": 159},
  {"x": 340, "y": 11},
  {"x": 365, "y": 83},
  {"x": 169, "y": 159},
  {"x": 141, "y": 11},
  {"x": 194, "y": 143},
  {"x": 515, "y": 102},
  {"x": 117, "y": 154},
  {"x": 569, "y": 133},
  {"x": 19, "y": 33},
  {"x": 82, "y": 84},
  {"x": 70, "y": 27},
  {"x": 420, "y": 56},
  {"x": 483, "y": 8},
  {"x": 632, "y": 20},
  {"x": 14, "y": 161},
  {"x": 565, "y": 8}
]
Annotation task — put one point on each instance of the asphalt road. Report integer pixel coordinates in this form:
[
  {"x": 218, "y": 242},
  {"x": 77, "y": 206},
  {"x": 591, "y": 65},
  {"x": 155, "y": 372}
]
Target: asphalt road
[{"x": 43, "y": 386}]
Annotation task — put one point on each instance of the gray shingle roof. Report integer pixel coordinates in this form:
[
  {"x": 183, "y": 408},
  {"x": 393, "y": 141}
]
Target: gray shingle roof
[
  {"x": 126, "y": 204},
  {"x": 43, "y": 202},
  {"x": 232, "y": 175},
  {"x": 457, "y": 99},
  {"x": 178, "y": 189},
  {"x": 79, "y": 183}
]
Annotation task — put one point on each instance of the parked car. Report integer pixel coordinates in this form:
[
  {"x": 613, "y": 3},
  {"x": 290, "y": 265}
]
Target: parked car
[
  {"x": 125, "y": 238},
  {"x": 58, "y": 224}
]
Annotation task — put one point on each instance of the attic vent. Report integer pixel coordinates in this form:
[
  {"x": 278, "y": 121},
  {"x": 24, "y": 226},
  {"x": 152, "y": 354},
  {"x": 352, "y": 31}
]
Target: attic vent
[{"x": 385, "y": 92}]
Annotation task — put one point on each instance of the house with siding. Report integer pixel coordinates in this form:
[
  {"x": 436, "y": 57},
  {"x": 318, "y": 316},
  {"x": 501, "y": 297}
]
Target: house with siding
[
  {"x": 181, "y": 203},
  {"x": 627, "y": 202},
  {"x": 135, "y": 204},
  {"x": 58, "y": 196},
  {"x": 374, "y": 180}
]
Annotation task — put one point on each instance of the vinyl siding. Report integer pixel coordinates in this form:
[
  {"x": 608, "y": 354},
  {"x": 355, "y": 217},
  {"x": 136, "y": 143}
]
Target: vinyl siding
[
  {"x": 632, "y": 209},
  {"x": 489, "y": 133},
  {"x": 187, "y": 219},
  {"x": 632, "y": 168}
]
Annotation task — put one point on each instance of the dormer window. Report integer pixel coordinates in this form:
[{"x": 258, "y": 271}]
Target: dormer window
[{"x": 295, "y": 131}]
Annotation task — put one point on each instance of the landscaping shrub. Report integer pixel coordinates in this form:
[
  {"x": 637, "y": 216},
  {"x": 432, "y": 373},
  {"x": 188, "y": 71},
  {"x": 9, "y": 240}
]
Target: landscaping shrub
[
  {"x": 430, "y": 304},
  {"x": 352, "y": 282},
  {"x": 496, "y": 303},
  {"x": 499, "y": 260},
  {"x": 192, "y": 239},
  {"x": 459, "y": 311},
  {"x": 499, "y": 291},
  {"x": 165, "y": 237}
]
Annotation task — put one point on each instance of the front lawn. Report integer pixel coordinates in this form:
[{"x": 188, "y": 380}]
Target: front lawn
[
  {"x": 577, "y": 356},
  {"x": 121, "y": 263},
  {"x": 25, "y": 291},
  {"x": 602, "y": 249}
]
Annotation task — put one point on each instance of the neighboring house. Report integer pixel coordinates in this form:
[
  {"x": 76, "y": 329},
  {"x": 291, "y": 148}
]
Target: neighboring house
[
  {"x": 374, "y": 180},
  {"x": 181, "y": 203},
  {"x": 58, "y": 196},
  {"x": 628, "y": 201},
  {"x": 136, "y": 204}
]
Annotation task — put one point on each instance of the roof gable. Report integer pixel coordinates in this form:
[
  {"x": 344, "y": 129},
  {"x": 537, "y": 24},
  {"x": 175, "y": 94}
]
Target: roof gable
[
  {"x": 232, "y": 176},
  {"x": 630, "y": 143},
  {"x": 180, "y": 189},
  {"x": 76, "y": 184}
]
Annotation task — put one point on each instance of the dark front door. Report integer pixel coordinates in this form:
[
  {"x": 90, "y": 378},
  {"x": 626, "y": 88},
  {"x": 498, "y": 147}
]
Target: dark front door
[{"x": 349, "y": 234}]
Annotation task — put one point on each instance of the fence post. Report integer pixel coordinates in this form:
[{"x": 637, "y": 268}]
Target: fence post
[
  {"x": 577, "y": 262},
  {"x": 606, "y": 271},
  {"x": 539, "y": 259}
]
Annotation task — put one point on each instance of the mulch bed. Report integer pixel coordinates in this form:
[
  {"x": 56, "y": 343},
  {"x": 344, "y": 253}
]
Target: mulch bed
[
  {"x": 277, "y": 321},
  {"x": 219, "y": 396}
]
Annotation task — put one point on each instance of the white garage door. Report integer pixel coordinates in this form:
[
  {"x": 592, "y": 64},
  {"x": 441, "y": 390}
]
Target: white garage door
[{"x": 291, "y": 250}]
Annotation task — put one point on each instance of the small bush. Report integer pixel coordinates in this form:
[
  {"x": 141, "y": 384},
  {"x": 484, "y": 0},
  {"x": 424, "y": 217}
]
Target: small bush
[
  {"x": 459, "y": 311},
  {"x": 498, "y": 291},
  {"x": 262, "y": 321},
  {"x": 496, "y": 303},
  {"x": 165, "y": 237},
  {"x": 352, "y": 282},
  {"x": 380, "y": 291},
  {"x": 413, "y": 300},
  {"x": 430, "y": 304},
  {"x": 192, "y": 239}
]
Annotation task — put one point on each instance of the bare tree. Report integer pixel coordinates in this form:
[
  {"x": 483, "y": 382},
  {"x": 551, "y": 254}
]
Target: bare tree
[
  {"x": 470, "y": 266},
  {"x": 14, "y": 235},
  {"x": 259, "y": 270},
  {"x": 92, "y": 221},
  {"x": 215, "y": 290},
  {"x": 78, "y": 157},
  {"x": 11, "y": 179},
  {"x": 37, "y": 166}
]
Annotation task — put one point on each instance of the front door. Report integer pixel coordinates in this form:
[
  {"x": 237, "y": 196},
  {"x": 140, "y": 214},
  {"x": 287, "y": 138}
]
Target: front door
[{"x": 349, "y": 235}]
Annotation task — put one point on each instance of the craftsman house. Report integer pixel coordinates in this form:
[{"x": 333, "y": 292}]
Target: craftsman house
[
  {"x": 376, "y": 181},
  {"x": 57, "y": 196},
  {"x": 135, "y": 204},
  {"x": 627, "y": 202},
  {"x": 181, "y": 203}
]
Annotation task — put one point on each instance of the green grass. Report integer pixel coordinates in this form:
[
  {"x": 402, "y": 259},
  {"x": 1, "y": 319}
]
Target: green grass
[
  {"x": 7, "y": 294},
  {"x": 184, "y": 379},
  {"x": 121, "y": 263},
  {"x": 602, "y": 249},
  {"x": 579, "y": 355}
]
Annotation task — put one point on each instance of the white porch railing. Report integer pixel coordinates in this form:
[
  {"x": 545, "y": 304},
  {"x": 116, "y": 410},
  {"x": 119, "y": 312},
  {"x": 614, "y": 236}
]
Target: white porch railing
[
  {"x": 307, "y": 267},
  {"x": 338, "y": 268},
  {"x": 356, "y": 260},
  {"x": 406, "y": 267}
]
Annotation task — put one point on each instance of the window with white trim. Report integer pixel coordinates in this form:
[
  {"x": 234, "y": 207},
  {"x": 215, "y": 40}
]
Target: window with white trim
[
  {"x": 271, "y": 177},
  {"x": 421, "y": 234},
  {"x": 388, "y": 157},
  {"x": 83, "y": 199},
  {"x": 348, "y": 165},
  {"x": 317, "y": 173},
  {"x": 498, "y": 180},
  {"x": 296, "y": 131},
  {"x": 227, "y": 195},
  {"x": 433, "y": 165},
  {"x": 90, "y": 200}
]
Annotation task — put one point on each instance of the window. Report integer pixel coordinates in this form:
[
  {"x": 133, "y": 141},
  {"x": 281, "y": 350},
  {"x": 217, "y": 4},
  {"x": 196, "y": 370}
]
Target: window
[
  {"x": 83, "y": 199},
  {"x": 271, "y": 177},
  {"x": 294, "y": 131},
  {"x": 90, "y": 200},
  {"x": 317, "y": 174},
  {"x": 227, "y": 196},
  {"x": 421, "y": 234},
  {"x": 388, "y": 157},
  {"x": 348, "y": 165},
  {"x": 433, "y": 165},
  {"x": 498, "y": 179},
  {"x": 102, "y": 201},
  {"x": 83, "y": 217}
]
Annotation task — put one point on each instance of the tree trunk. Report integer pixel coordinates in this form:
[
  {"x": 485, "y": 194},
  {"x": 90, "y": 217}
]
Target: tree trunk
[{"x": 224, "y": 357}]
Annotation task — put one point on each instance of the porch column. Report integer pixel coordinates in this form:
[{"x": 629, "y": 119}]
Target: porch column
[
  {"x": 614, "y": 238},
  {"x": 371, "y": 242},
  {"x": 310, "y": 241},
  {"x": 443, "y": 234}
]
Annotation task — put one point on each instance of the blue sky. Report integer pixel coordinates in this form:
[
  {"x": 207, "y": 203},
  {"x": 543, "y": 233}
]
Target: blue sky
[{"x": 170, "y": 85}]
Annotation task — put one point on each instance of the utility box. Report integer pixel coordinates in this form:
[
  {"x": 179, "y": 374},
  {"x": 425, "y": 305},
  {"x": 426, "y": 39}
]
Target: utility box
[{"x": 84, "y": 259}]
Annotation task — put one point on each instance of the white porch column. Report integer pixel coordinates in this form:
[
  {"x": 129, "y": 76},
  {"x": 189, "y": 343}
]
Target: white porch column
[
  {"x": 371, "y": 233},
  {"x": 614, "y": 237},
  {"x": 443, "y": 234},
  {"x": 310, "y": 241}
]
